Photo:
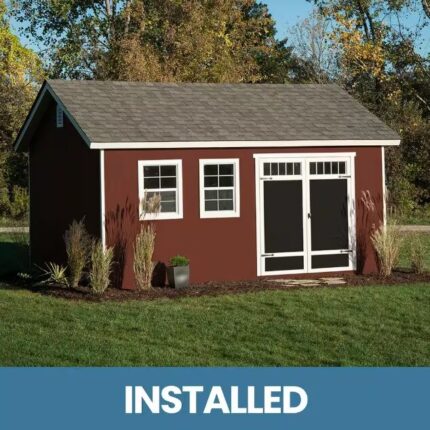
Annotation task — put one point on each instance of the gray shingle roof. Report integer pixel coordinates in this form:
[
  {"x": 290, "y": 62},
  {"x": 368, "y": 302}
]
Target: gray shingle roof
[{"x": 142, "y": 112}]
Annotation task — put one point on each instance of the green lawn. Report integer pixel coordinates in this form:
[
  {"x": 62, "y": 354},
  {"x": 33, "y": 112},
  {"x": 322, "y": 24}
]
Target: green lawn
[
  {"x": 355, "y": 326},
  {"x": 13, "y": 253}
]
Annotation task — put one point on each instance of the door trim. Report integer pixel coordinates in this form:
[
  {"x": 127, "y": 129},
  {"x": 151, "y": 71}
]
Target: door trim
[{"x": 305, "y": 157}]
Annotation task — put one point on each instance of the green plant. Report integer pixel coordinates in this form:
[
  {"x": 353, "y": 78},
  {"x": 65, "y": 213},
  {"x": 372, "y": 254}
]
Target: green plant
[
  {"x": 78, "y": 248},
  {"x": 143, "y": 253},
  {"x": 387, "y": 241},
  {"x": 417, "y": 252},
  {"x": 55, "y": 274},
  {"x": 101, "y": 267},
  {"x": 19, "y": 203},
  {"x": 179, "y": 260}
]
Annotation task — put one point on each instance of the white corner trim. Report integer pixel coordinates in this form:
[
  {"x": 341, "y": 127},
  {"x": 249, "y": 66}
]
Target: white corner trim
[
  {"x": 179, "y": 190},
  {"x": 48, "y": 88},
  {"x": 102, "y": 199},
  {"x": 235, "y": 213},
  {"x": 242, "y": 144},
  {"x": 384, "y": 188}
]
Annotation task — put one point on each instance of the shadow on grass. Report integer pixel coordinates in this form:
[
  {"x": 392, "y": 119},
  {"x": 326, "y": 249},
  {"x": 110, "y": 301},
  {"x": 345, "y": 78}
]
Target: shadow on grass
[{"x": 13, "y": 258}]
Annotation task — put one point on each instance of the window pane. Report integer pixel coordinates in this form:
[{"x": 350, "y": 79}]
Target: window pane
[
  {"x": 226, "y": 205},
  {"x": 151, "y": 171},
  {"x": 335, "y": 167},
  {"x": 168, "y": 170},
  {"x": 274, "y": 168},
  {"x": 211, "y": 181},
  {"x": 297, "y": 169},
  {"x": 226, "y": 181},
  {"x": 211, "y": 205},
  {"x": 313, "y": 168},
  {"x": 266, "y": 169},
  {"x": 226, "y": 194},
  {"x": 151, "y": 183},
  {"x": 168, "y": 207},
  {"x": 168, "y": 182},
  {"x": 211, "y": 195},
  {"x": 327, "y": 168},
  {"x": 342, "y": 167},
  {"x": 320, "y": 168},
  {"x": 289, "y": 168},
  {"x": 226, "y": 169},
  {"x": 167, "y": 196},
  {"x": 211, "y": 169},
  {"x": 282, "y": 168}
]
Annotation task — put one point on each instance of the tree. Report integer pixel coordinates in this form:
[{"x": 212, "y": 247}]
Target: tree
[
  {"x": 158, "y": 40},
  {"x": 20, "y": 68},
  {"x": 381, "y": 65},
  {"x": 313, "y": 45}
]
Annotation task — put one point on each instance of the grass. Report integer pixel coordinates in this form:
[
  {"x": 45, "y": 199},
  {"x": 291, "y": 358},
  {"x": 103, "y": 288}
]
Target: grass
[
  {"x": 13, "y": 253},
  {"x": 11, "y": 222},
  {"x": 361, "y": 326}
]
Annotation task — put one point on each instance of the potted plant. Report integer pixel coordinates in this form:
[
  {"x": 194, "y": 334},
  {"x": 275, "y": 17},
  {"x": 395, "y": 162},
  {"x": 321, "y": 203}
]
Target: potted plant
[{"x": 178, "y": 273}]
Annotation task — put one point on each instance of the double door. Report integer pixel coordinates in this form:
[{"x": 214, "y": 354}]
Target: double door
[{"x": 305, "y": 213}]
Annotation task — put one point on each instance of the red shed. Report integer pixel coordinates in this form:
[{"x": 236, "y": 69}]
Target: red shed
[{"x": 255, "y": 180}]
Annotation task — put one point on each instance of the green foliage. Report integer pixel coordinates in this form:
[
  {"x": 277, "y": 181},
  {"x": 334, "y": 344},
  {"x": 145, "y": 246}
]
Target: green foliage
[
  {"x": 101, "y": 267},
  {"x": 417, "y": 252},
  {"x": 19, "y": 205},
  {"x": 55, "y": 274},
  {"x": 168, "y": 40},
  {"x": 179, "y": 260},
  {"x": 78, "y": 248}
]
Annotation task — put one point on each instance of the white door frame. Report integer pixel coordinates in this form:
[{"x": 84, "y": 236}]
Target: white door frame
[{"x": 305, "y": 159}]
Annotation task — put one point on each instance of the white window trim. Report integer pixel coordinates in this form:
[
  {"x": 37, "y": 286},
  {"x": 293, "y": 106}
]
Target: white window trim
[
  {"x": 179, "y": 200},
  {"x": 236, "y": 192}
]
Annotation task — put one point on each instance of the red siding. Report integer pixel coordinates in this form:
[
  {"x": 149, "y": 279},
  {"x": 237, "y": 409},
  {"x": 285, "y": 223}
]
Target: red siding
[
  {"x": 64, "y": 185},
  {"x": 219, "y": 249}
]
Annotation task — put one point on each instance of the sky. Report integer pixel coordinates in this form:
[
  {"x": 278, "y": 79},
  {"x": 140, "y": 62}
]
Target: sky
[{"x": 288, "y": 12}]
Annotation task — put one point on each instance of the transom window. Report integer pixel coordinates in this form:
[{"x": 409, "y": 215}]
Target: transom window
[
  {"x": 163, "y": 179},
  {"x": 327, "y": 168},
  {"x": 282, "y": 169},
  {"x": 219, "y": 188}
]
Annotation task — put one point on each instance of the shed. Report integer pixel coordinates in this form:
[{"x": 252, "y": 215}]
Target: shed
[{"x": 254, "y": 180}]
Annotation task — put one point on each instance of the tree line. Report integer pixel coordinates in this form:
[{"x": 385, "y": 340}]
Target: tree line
[{"x": 369, "y": 47}]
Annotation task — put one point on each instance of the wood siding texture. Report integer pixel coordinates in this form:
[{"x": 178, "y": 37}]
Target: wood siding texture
[
  {"x": 219, "y": 249},
  {"x": 64, "y": 185}
]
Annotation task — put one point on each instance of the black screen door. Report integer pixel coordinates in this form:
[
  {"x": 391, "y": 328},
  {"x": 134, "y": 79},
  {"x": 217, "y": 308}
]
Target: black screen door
[
  {"x": 329, "y": 222},
  {"x": 283, "y": 224}
]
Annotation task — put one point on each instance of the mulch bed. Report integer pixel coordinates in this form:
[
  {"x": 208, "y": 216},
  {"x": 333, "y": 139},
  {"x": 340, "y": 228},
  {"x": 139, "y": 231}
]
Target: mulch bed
[{"x": 211, "y": 288}]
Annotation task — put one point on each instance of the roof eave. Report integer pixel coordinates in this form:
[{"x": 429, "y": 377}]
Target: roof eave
[{"x": 244, "y": 144}]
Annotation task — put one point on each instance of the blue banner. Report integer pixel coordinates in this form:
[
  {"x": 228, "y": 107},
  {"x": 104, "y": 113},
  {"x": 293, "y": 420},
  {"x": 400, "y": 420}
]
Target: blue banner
[{"x": 214, "y": 398}]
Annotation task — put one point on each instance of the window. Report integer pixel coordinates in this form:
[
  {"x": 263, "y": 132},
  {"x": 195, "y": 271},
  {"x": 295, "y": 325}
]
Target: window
[
  {"x": 161, "y": 178},
  {"x": 282, "y": 169},
  {"x": 328, "y": 168},
  {"x": 59, "y": 116},
  {"x": 219, "y": 188}
]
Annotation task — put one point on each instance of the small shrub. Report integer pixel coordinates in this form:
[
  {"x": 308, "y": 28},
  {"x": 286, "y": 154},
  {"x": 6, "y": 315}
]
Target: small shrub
[
  {"x": 55, "y": 274},
  {"x": 417, "y": 253},
  {"x": 143, "y": 253},
  {"x": 101, "y": 267},
  {"x": 78, "y": 248},
  {"x": 19, "y": 203},
  {"x": 387, "y": 241},
  {"x": 179, "y": 260}
]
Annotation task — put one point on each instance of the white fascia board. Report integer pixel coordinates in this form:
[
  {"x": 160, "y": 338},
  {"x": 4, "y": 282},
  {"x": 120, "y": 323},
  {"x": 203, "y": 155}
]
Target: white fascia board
[
  {"x": 49, "y": 89},
  {"x": 242, "y": 144}
]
